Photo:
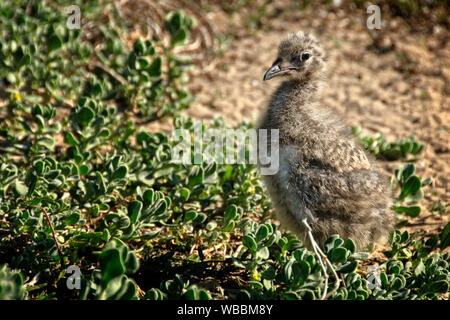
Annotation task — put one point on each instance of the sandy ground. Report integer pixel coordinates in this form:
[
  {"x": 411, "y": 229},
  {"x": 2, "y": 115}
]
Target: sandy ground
[{"x": 395, "y": 80}]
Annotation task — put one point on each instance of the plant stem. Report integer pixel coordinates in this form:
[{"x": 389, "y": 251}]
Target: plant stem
[{"x": 58, "y": 246}]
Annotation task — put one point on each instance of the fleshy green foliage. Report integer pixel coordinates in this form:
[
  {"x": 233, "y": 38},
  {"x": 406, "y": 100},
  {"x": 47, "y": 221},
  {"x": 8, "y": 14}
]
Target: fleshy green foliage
[
  {"x": 410, "y": 189},
  {"x": 382, "y": 149},
  {"x": 138, "y": 76},
  {"x": 136, "y": 223},
  {"x": 439, "y": 208},
  {"x": 445, "y": 237},
  {"x": 111, "y": 281},
  {"x": 39, "y": 52},
  {"x": 177, "y": 288},
  {"x": 178, "y": 25},
  {"x": 413, "y": 271},
  {"x": 11, "y": 284}
]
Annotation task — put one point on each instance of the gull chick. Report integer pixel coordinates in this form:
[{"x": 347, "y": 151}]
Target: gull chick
[{"x": 324, "y": 175}]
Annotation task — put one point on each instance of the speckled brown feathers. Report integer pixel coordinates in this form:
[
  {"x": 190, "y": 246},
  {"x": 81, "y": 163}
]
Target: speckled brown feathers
[{"x": 323, "y": 175}]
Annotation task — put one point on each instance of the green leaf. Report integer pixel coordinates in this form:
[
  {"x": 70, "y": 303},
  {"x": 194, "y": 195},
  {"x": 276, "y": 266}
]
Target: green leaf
[
  {"x": 104, "y": 133},
  {"x": 230, "y": 213},
  {"x": 411, "y": 186},
  {"x": 445, "y": 237},
  {"x": 263, "y": 253},
  {"x": 70, "y": 139},
  {"x": 404, "y": 236},
  {"x": 307, "y": 294},
  {"x": 184, "y": 194},
  {"x": 134, "y": 210},
  {"x": 262, "y": 233},
  {"x": 174, "y": 20},
  {"x": 37, "y": 110},
  {"x": 398, "y": 283},
  {"x": 40, "y": 121},
  {"x": 195, "y": 176},
  {"x": 349, "y": 244},
  {"x": 211, "y": 225},
  {"x": 384, "y": 280},
  {"x": 249, "y": 242},
  {"x": 339, "y": 255},
  {"x": 190, "y": 215},
  {"x": 191, "y": 293},
  {"x": 154, "y": 294},
  {"x": 160, "y": 207},
  {"x": 407, "y": 170},
  {"x": 139, "y": 46},
  {"x": 204, "y": 295},
  {"x": 84, "y": 169},
  {"x": 120, "y": 173},
  {"x": 268, "y": 274},
  {"x": 85, "y": 115},
  {"x": 150, "y": 235},
  {"x": 407, "y": 147},
  {"x": 415, "y": 197},
  {"x": 427, "y": 181},
  {"x": 72, "y": 219},
  {"x": 54, "y": 43},
  {"x": 305, "y": 269},
  {"x": 290, "y": 295},
  {"x": 32, "y": 182},
  {"x": 21, "y": 188},
  {"x": 128, "y": 291},
  {"x": 230, "y": 226},
  {"x": 132, "y": 263},
  {"x": 282, "y": 243},
  {"x": 180, "y": 37},
  {"x": 420, "y": 269},
  {"x": 393, "y": 154},
  {"x": 394, "y": 267},
  {"x": 47, "y": 141},
  {"x": 440, "y": 286},
  {"x": 412, "y": 211},
  {"x": 348, "y": 267},
  {"x": 148, "y": 196},
  {"x": 210, "y": 168},
  {"x": 201, "y": 217},
  {"x": 330, "y": 242},
  {"x": 111, "y": 264},
  {"x": 11, "y": 78},
  {"x": 142, "y": 63},
  {"x": 256, "y": 284},
  {"x": 100, "y": 182},
  {"x": 155, "y": 69}
]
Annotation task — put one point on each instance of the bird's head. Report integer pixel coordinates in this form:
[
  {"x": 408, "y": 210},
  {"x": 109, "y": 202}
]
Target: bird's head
[{"x": 300, "y": 57}]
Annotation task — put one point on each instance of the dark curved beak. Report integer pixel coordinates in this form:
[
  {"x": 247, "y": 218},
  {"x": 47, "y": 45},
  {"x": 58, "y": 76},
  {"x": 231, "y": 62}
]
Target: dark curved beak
[{"x": 275, "y": 70}]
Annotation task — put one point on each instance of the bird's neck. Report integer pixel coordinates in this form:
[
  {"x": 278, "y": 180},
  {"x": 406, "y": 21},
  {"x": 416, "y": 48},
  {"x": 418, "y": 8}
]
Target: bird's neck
[
  {"x": 305, "y": 90},
  {"x": 297, "y": 93},
  {"x": 291, "y": 101}
]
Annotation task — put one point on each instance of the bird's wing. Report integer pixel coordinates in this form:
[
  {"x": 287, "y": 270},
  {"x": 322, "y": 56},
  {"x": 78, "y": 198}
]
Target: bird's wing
[
  {"x": 340, "y": 193},
  {"x": 339, "y": 155},
  {"x": 329, "y": 182}
]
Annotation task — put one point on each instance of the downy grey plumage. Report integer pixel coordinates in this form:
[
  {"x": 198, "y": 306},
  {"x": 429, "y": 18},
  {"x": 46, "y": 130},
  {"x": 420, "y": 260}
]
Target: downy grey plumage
[{"x": 324, "y": 175}]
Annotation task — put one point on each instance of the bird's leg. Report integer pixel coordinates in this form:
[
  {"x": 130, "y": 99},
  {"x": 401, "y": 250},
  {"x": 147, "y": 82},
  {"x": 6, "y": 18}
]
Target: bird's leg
[
  {"x": 320, "y": 255},
  {"x": 324, "y": 269}
]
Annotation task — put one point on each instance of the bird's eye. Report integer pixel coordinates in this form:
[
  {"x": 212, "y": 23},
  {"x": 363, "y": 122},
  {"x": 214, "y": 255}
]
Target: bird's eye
[{"x": 305, "y": 56}]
